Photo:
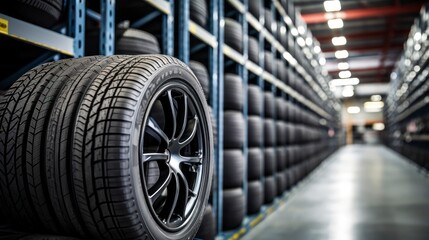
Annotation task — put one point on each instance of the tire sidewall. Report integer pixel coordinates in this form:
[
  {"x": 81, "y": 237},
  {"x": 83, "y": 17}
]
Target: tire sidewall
[{"x": 157, "y": 81}]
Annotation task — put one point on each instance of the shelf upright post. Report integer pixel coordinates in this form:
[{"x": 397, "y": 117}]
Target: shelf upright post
[
  {"x": 216, "y": 77},
  {"x": 183, "y": 30},
  {"x": 76, "y": 26},
  {"x": 168, "y": 30},
  {"x": 261, "y": 82},
  {"x": 220, "y": 95},
  {"x": 107, "y": 34},
  {"x": 244, "y": 76}
]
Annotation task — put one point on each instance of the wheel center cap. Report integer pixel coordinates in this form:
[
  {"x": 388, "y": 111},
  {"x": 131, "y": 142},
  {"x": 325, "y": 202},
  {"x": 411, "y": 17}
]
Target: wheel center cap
[{"x": 168, "y": 155}]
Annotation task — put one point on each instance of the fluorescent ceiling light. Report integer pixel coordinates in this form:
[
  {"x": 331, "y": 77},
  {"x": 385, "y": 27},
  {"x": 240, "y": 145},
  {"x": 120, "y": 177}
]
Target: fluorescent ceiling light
[
  {"x": 345, "y": 74},
  {"x": 335, "y": 23},
  {"x": 417, "y": 36},
  {"x": 376, "y": 98},
  {"x": 300, "y": 41},
  {"x": 373, "y": 105},
  {"x": 332, "y": 6},
  {"x": 339, "y": 41},
  {"x": 301, "y": 30},
  {"x": 344, "y": 82},
  {"x": 348, "y": 91},
  {"x": 373, "y": 110},
  {"x": 353, "y": 109},
  {"x": 378, "y": 126},
  {"x": 317, "y": 49},
  {"x": 322, "y": 61},
  {"x": 309, "y": 41},
  {"x": 294, "y": 32},
  {"x": 340, "y": 54},
  {"x": 343, "y": 65}
]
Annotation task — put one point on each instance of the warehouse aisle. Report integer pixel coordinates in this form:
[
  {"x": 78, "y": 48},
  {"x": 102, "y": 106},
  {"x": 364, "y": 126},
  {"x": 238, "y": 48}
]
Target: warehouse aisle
[{"x": 360, "y": 193}]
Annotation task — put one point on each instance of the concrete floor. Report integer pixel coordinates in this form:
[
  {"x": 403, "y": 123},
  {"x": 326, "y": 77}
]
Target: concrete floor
[{"x": 361, "y": 192}]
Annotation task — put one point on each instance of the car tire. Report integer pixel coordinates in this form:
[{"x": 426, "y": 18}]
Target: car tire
[
  {"x": 97, "y": 118},
  {"x": 233, "y": 208},
  {"x": 233, "y": 167},
  {"x": 233, "y": 92},
  {"x": 255, "y": 197},
  {"x": 255, "y": 160},
  {"x": 233, "y": 129},
  {"x": 254, "y": 131}
]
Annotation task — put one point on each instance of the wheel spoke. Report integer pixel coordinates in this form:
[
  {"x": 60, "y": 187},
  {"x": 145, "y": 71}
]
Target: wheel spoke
[
  {"x": 184, "y": 118},
  {"x": 176, "y": 197},
  {"x": 155, "y": 131},
  {"x": 160, "y": 187},
  {"x": 170, "y": 114},
  {"x": 192, "y": 193},
  {"x": 192, "y": 160},
  {"x": 148, "y": 157},
  {"x": 191, "y": 131}
]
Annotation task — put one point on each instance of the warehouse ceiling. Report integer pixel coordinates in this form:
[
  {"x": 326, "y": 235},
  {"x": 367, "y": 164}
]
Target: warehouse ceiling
[{"x": 375, "y": 32}]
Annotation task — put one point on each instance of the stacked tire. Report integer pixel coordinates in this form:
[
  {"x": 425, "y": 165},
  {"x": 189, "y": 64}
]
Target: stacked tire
[
  {"x": 270, "y": 161},
  {"x": 85, "y": 150},
  {"x": 255, "y": 157},
  {"x": 280, "y": 147},
  {"x": 233, "y": 157},
  {"x": 233, "y": 136}
]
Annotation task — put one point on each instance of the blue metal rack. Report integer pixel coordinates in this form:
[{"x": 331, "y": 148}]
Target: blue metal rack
[
  {"x": 57, "y": 42},
  {"x": 212, "y": 38}
]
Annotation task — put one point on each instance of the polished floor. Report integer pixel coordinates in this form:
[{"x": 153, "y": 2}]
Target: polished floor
[{"x": 361, "y": 192}]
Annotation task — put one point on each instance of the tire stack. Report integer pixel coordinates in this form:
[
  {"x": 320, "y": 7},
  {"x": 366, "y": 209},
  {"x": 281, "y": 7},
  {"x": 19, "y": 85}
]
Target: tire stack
[
  {"x": 207, "y": 228},
  {"x": 270, "y": 165},
  {"x": 72, "y": 132},
  {"x": 233, "y": 142},
  {"x": 44, "y": 13},
  {"x": 255, "y": 196},
  {"x": 233, "y": 158},
  {"x": 281, "y": 147},
  {"x": 291, "y": 149}
]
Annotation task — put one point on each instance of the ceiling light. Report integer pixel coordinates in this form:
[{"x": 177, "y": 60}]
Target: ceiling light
[
  {"x": 339, "y": 41},
  {"x": 300, "y": 41},
  {"x": 345, "y": 74},
  {"x": 317, "y": 49},
  {"x": 376, "y": 98},
  {"x": 301, "y": 30},
  {"x": 417, "y": 36},
  {"x": 373, "y": 110},
  {"x": 332, "y": 6},
  {"x": 344, "y": 82},
  {"x": 378, "y": 126},
  {"x": 340, "y": 54},
  {"x": 294, "y": 32},
  {"x": 309, "y": 41},
  {"x": 348, "y": 91},
  {"x": 416, "y": 68},
  {"x": 373, "y": 105},
  {"x": 343, "y": 65},
  {"x": 353, "y": 109},
  {"x": 335, "y": 23},
  {"x": 322, "y": 61}
]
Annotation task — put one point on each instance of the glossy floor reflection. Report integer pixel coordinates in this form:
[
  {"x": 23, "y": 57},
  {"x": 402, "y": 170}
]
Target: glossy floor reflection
[{"x": 360, "y": 193}]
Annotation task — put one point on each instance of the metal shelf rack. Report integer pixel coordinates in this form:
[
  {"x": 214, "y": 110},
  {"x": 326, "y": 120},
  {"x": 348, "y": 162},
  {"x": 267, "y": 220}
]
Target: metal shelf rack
[{"x": 70, "y": 41}]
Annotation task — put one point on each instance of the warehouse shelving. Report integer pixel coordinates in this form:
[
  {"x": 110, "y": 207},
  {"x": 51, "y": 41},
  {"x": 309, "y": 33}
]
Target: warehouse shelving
[
  {"x": 67, "y": 40},
  {"x": 407, "y": 104},
  {"x": 305, "y": 66}
]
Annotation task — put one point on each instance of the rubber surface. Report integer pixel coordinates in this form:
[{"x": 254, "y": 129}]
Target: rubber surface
[
  {"x": 65, "y": 158},
  {"x": 233, "y": 92},
  {"x": 233, "y": 208},
  {"x": 233, "y": 160},
  {"x": 233, "y": 129}
]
